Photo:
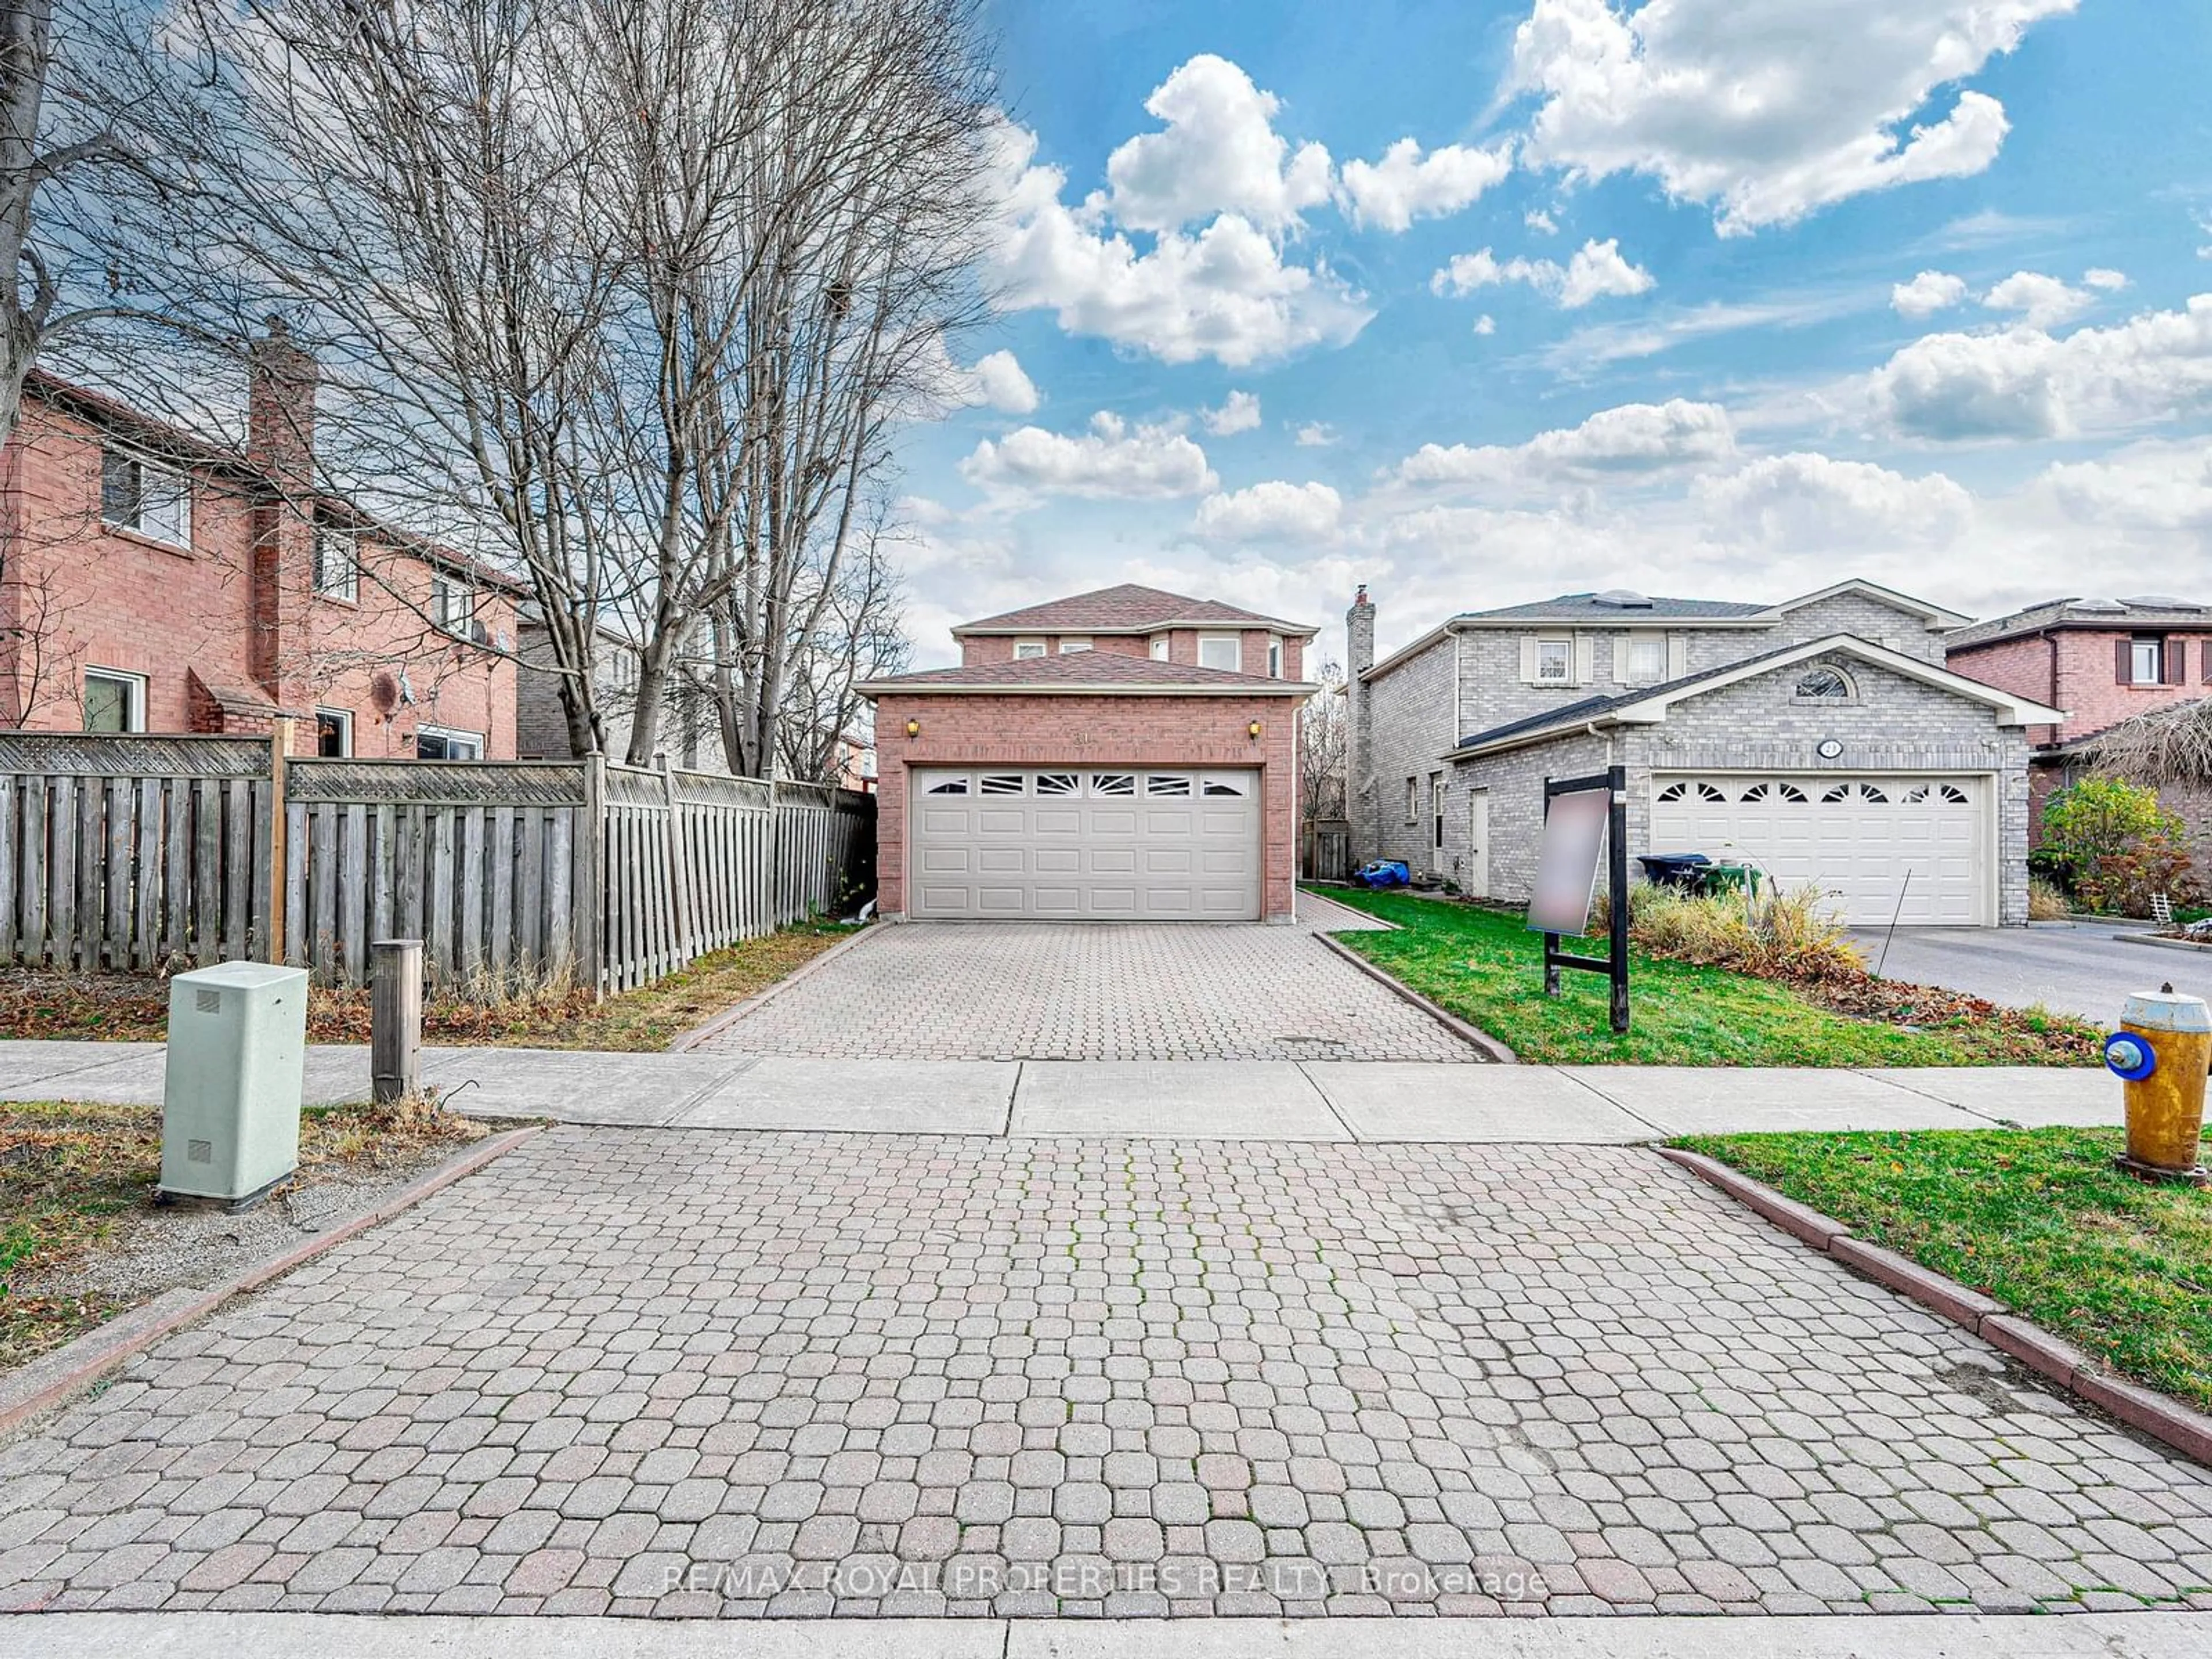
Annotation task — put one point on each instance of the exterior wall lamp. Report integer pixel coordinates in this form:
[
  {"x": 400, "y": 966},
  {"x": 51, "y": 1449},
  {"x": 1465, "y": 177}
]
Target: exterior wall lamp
[
  {"x": 1253, "y": 731},
  {"x": 914, "y": 729}
]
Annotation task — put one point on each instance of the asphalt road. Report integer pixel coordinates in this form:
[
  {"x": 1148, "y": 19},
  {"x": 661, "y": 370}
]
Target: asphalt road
[{"x": 2087, "y": 969}]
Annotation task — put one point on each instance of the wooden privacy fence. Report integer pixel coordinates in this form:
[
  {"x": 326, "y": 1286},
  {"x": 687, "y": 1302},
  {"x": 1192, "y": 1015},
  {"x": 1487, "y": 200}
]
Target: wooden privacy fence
[
  {"x": 127, "y": 852},
  {"x": 1325, "y": 849}
]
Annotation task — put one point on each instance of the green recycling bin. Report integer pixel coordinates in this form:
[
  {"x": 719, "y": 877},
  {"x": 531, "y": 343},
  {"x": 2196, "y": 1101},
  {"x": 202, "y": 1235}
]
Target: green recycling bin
[{"x": 1731, "y": 878}]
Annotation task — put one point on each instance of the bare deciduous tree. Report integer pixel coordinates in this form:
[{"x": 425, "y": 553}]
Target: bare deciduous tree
[
  {"x": 626, "y": 295},
  {"x": 1322, "y": 733}
]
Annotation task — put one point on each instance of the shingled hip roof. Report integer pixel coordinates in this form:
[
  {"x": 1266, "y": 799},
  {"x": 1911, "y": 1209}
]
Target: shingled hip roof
[
  {"x": 1105, "y": 672},
  {"x": 1129, "y": 608}
]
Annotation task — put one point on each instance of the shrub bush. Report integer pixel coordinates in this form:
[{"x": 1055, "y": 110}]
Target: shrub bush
[
  {"x": 2047, "y": 900},
  {"x": 1791, "y": 935}
]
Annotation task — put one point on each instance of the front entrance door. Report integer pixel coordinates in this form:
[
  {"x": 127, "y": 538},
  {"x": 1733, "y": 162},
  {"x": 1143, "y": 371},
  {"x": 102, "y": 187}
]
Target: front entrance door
[{"x": 1478, "y": 844}]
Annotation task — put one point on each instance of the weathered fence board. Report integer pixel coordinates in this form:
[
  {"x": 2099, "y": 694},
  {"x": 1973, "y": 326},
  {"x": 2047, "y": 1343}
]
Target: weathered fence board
[
  {"x": 130, "y": 853},
  {"x": 124, "y": 853}
]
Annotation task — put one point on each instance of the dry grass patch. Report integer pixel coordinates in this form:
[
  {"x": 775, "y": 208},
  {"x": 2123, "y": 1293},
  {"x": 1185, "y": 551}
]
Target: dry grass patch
[
  {"x": 130, "y": 1007},
  {"x": 76, "y": 1184}
]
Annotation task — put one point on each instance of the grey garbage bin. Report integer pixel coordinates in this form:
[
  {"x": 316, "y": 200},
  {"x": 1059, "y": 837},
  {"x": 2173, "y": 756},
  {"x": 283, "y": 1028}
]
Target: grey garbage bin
[{"x": 237, "y": 1074}]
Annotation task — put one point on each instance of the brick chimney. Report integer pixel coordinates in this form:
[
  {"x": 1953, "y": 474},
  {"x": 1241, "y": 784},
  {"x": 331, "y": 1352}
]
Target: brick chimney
[
  {"x": 1358, "y": 785},
  {"x": 280, "y": 441}
]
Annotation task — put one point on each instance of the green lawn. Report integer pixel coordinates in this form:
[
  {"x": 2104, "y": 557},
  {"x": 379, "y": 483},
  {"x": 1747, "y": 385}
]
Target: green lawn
[
  {"x": 1487, "y": 969},
  {"x": 2038, "y": 1219}
]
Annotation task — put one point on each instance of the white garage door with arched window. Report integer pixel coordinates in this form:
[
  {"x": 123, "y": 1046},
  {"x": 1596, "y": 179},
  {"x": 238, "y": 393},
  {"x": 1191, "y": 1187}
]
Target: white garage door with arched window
[
  {"x": 1083, "y": 844},
  {"x": 1916, "y": 848}
]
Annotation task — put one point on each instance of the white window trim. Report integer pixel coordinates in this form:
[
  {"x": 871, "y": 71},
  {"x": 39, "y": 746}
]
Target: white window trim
[
  {"x": 443, "y": 590},
  {"x": 1629, "y": 674},
  {"x": 451, "y": 734},
  {"x": 1536, "y": 675},
  {"x": 1413, "y": 800},
  {"x": 1274, "y": 657},
  {"x": 1160, "y": 646},
  {"x": 134, "y": 685},
  {"x": 1070, "y": 646},
  {"x": 344, "y": 718},
  {"x": 2157, "y": 647},
  {"x": 1234, "y": 642},
  {"x": 1024, "y": 649},
  {"x": 348, "y": 591},
  {"x": 145, "y": 464}
]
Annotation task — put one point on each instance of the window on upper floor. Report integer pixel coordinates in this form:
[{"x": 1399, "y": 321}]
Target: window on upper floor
[
  {"x": 1024, "y": 649},
  {"x": 338, "y": 564},
  {"x": 453, "y": 606},
  {"x": 1068, "y": 647},
  {"x": 1223, "y": 651},
  {"x": 1555, "y": 662},
  {"x": 1275, "y": 659},
  {"x": 1825, "y": 683},
  {"x": 1646, "y": 657},
  {"x": 2143, "y": 660},
  {"x": 1159, "y": 647},
  {"x": 137, "y": 493}
]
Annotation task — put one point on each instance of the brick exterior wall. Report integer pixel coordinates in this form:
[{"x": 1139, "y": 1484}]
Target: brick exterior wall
[
  {"x": 2074, "y": 669},
  {"x": 1409, "y": 730},
  {"x": 236, "y": 609},
  {"x": 964, "y": 729},
  {"x": 1896, "y": 725}
]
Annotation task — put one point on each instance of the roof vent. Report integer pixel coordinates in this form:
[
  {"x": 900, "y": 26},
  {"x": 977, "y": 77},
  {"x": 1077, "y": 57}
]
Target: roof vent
[
  {"x": 2102, "y": 607},
  {"x": 2162, "y": 602},
  {"x": 1622, "y": 598}
]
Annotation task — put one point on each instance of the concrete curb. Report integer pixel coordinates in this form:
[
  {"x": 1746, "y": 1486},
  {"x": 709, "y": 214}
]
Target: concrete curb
[
  {"x": 730, "y": 1016},
  {"x": 1488, "y": 1046},
  {"x": 2161, "y": 944},
  {"x": 75, "y": 1366},
  {"x": 2169, "y": 1421}
]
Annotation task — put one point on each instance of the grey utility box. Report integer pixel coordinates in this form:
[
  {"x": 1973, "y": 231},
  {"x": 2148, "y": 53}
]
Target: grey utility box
[{"x": 237, "y": 1075}]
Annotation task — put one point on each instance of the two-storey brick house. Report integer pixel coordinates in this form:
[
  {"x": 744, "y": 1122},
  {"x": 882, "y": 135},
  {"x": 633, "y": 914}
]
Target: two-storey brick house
[
  {"x": 1126, "y": 754},
  {"x": 2103, "y": 661},
  {"x": 1821, "y": 739},
  {"x": 156, "y": 581}
]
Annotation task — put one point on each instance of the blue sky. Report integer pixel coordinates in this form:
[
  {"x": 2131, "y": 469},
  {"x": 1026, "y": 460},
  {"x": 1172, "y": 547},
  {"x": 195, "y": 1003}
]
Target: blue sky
[{"x": 1479, "y": 301}]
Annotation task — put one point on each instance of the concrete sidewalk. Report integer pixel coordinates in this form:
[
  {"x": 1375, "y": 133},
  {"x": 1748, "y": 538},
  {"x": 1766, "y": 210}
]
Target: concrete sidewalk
[
  {"x": 341, "y": 1636},
  {"x": 1374, "y": 1102}
]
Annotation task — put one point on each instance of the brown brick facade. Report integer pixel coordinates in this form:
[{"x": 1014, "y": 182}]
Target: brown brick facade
[{"x": 228, "y": 632}]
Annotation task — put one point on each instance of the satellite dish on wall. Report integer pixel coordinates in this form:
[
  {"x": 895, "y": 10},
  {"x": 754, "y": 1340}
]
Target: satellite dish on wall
[
  {"x": 383, "y": 693},
  {"x": 406, "y": 691}
]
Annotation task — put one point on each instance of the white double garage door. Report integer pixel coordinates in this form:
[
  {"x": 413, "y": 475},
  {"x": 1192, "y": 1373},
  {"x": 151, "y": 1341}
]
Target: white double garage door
[
  {"x": 1083, "y": 844},
  {"x": 1916, "y": 848}
]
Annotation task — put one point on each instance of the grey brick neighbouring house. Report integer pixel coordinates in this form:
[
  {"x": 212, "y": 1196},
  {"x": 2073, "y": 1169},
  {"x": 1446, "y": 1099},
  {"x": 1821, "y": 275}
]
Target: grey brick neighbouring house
[{"x": 1820, "y": 740}]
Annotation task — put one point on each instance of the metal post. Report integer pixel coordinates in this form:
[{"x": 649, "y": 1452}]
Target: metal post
[
  {"x": 1616, "y": 837},
  {"x": 395, "y": 1031}
]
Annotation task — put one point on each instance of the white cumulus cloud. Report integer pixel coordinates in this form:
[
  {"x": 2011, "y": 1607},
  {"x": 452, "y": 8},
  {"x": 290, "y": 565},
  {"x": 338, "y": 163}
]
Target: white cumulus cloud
[
  {"x": 1239, "y": 412},
  {"x": 1628, "y": 438},
  {"x": 1225, "y": 292},
  {"x": 1270, "y": 511},
  {"x": 2156, "y": 486},
  {"x": 2106, "y": 278},
  {"x": 1001, "y": 383},
  {"x": 1112, "y": 460},
  {"x": 1314, "y": 435},
  {"x": 2041, "y": 301},
  {"x": 1218, "y": 152},
  {"x": 1930, "y": 292},
  {"x": 2026, "y": 383},
  {"x": 1405, "y": 185},
  {"x": 1596, "y": 272},
  {"x": 1803, "y": 498},
  {"x": 1767, "y": 109}
]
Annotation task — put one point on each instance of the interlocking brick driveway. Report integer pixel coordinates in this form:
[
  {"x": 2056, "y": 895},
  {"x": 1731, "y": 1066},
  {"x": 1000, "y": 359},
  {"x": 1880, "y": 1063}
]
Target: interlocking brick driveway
[
  {"x": 789, "y": 1374},
  {"x": 949, "y": 990}
]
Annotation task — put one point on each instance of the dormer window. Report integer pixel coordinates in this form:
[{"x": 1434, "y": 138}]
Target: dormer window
[{"x": 1024, "y": 649}]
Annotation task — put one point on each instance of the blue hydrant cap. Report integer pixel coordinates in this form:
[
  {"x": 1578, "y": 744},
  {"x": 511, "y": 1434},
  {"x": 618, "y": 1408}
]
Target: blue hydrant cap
[{"x": 2128, "y": 1057}]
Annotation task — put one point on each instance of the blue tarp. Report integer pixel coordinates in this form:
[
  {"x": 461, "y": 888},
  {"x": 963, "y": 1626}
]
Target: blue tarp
[{"x": 1382, "y": 873}]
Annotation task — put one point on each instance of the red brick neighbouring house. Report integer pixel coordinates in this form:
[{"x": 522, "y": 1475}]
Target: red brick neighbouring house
[
  {"x": 157, "y": 581},
  {"x": 1127, "y": 755},
  {"x": 2101, "y": 660}
]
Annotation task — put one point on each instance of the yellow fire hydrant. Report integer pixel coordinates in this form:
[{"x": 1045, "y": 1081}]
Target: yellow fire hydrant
[{"x": 2162, "y": 1052}]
